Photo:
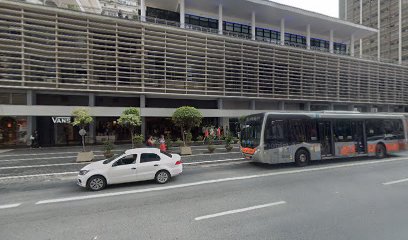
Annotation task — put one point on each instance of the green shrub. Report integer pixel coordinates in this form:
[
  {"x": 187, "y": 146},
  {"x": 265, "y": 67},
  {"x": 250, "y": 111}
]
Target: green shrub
[{"x": 138, "y": 139}]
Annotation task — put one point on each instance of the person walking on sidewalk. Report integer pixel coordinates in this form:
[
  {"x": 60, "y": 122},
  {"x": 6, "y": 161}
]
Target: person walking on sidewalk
[
  {"x": 162, "y": 142},
  {"x": 150, "y": 142},
  {"x": 34, "y": 140}
]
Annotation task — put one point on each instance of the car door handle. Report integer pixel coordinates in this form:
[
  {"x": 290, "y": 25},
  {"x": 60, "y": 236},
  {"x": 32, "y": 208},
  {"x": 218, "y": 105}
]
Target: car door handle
[
  {"x": 156, "y": 165},
  {"x": 133, "y": 168}
]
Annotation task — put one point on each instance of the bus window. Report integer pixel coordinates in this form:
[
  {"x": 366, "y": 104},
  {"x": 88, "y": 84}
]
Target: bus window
[
  {"x": 342, "y": 131},
  {"x": 375, "y": 129},
  {"x": 393, "y": 129},
  {"x": 302, "y": 130},
  {"x": 275, "y": 134},
  {"x": 251, "y": 131}
]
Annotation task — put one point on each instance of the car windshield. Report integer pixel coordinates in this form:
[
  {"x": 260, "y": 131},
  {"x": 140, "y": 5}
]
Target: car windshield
[{"x": 113, "y": 158}]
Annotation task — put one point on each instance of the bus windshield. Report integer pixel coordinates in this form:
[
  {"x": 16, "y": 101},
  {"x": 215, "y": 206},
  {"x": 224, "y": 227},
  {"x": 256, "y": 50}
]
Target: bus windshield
[{"x": 251, "y": 131}]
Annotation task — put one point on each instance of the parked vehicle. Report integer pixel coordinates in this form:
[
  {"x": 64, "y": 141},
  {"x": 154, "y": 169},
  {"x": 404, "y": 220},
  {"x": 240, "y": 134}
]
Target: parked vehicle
[{"x": 133, "y": 165}]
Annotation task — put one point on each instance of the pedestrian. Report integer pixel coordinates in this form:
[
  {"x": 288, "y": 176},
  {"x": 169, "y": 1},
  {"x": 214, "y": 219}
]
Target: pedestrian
[
  {"x": 162, "y": 142},
  {"x": 150, "y": 142},
  {"x": 218, "y": 133},
  {"x": 206, "y": 133},
  {"x": 34, "y": 140}
]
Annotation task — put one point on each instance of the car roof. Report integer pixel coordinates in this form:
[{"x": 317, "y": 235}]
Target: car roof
[{"x": 142, "y": 150}]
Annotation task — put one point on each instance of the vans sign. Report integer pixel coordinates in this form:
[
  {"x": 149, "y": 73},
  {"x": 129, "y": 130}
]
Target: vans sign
[{"x": 61, "y": 120}]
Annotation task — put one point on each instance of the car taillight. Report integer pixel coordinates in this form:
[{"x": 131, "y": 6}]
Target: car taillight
[{"x": 178, "y": 162}]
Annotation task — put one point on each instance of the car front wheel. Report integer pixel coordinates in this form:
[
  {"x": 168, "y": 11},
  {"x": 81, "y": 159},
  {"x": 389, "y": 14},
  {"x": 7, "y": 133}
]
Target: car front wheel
[
  {"x": 96, "y": 183},
  {"x": 162, "y": 177}
]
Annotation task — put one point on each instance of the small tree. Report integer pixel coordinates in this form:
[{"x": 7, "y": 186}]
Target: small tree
[
  {"x": 130, "y": 119},
  {"x": 82, "y": 119},
  {"x": 186, "y": 118}
]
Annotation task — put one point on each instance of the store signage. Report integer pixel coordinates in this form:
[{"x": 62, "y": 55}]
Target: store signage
[{"x": 61, "y": 120}]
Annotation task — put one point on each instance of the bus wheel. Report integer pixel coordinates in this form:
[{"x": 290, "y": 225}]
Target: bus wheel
[
  {"x": 302, "y": 158},
  {"x": 380, "y": 151}
]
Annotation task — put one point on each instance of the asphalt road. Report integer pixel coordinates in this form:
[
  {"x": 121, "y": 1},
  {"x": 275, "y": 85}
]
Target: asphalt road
[{"x": 342, "y": 199}]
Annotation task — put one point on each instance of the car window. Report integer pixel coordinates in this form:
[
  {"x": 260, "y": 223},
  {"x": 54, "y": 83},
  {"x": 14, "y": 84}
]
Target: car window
[
  {"x": 149, "y": 157},
  {"x": 125, "y": 160}
]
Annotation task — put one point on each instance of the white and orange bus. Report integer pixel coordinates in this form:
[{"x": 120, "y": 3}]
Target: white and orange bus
[{"x": 300, "y": 137}]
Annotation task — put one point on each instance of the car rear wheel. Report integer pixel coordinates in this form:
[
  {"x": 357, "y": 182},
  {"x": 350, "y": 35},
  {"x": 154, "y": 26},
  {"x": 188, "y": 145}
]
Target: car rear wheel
[
  {"x": 162, "y": 177},
  {"x": 96, "y": 183}
]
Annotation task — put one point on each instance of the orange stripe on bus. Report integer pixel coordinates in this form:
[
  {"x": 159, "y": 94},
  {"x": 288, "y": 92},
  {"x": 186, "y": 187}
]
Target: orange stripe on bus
[
  {"x": 347, "y": 150},
  {"x": 371, "y": 148},
  {"x": 392, "y": 147},
  {"x": 248, "y": 150}
]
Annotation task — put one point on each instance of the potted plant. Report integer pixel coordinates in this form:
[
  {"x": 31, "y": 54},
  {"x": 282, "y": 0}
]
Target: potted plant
[
  {"x": 138, "y": 141},
  {"x": 211, "y": 147},
  {"x": 130, "y": 119},
  {"x": 108, "y": 147},
  {"x": 186, "y": 118},
  {"x": 228, "y": 143},
  {"x": 83, "y": 119},
  {"x": 179, "y": 142}
]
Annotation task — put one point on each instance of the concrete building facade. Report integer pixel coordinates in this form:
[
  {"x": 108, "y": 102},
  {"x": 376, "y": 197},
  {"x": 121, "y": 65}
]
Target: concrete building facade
[
  {"x": 390, "y": 17},
  {"x": 226, "y": 60}
]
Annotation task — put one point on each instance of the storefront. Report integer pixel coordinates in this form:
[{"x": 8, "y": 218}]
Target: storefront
[
  {"x": 107, "y": 129},
  {"x": 13, "y": 131}
]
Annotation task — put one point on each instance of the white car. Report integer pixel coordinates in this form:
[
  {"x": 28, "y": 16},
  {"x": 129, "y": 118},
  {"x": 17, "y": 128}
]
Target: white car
[{"x": 133, "y": 165}]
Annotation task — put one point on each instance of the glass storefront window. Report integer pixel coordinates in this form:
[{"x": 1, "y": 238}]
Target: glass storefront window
[{"x": 13, "y": 131}]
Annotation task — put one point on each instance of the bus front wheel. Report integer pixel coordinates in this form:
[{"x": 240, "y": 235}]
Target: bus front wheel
[{"x": 302, "y": 158}]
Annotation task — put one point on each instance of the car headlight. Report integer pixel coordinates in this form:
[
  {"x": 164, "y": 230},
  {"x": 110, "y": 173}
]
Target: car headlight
[{"x": 83, "y": 172}]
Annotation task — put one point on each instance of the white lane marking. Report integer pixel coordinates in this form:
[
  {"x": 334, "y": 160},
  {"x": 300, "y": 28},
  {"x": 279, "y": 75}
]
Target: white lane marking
[
  {"x": 222, "y": 164},
  {"x": 239, "y": 210},
  {"x": 74, "y": 156},
  {"x": 214, "y": 161},
  {"x": 70, "y": 173},
  {"x": 10, "y": 206},
  {"x": 39, "y": 175},
  {"x": 41, "y": 166},
  {"x": 397, "y": 181},
  {"x": 314, "y": 169},
  {"x": 34, "y": 159}
]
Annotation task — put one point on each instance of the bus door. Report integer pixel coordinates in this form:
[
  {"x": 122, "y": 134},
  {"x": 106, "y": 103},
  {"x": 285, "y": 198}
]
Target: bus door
[
  {"x": 325, "y": 136},
  {"x": 359, "y": 138}
]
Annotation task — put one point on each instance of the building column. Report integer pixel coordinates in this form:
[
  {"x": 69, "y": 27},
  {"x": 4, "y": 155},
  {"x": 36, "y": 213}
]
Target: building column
[
  {"x": 282, "y": 32},
  {"x": 281, "y": 106},
  {"x": 361, "y": 23},
  {"x": 253, "y": 105},
  {"x": 31, "y": 121},
  {"x": 400, "y": 32},
  {"x": 331, "y": 43},
  {"x": 379, "y": 30},
  {"x": 220, "y": 106},
  {"x": 308, "y": 37},
  {"x": 307, "y": 106},
  {"x": 331, "y": 106},
  {"x": 143, "y": 10},
  {"x": 91, "y": 133},
  {"x": 253, "y": 26},
  {"x": 220, "y": 20},
  {"x": 345, "y": 10},
  {"x": 143, "y": 119},
  {"x": 352, "y": 45},
  {"x": 182, "y": 14}
]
